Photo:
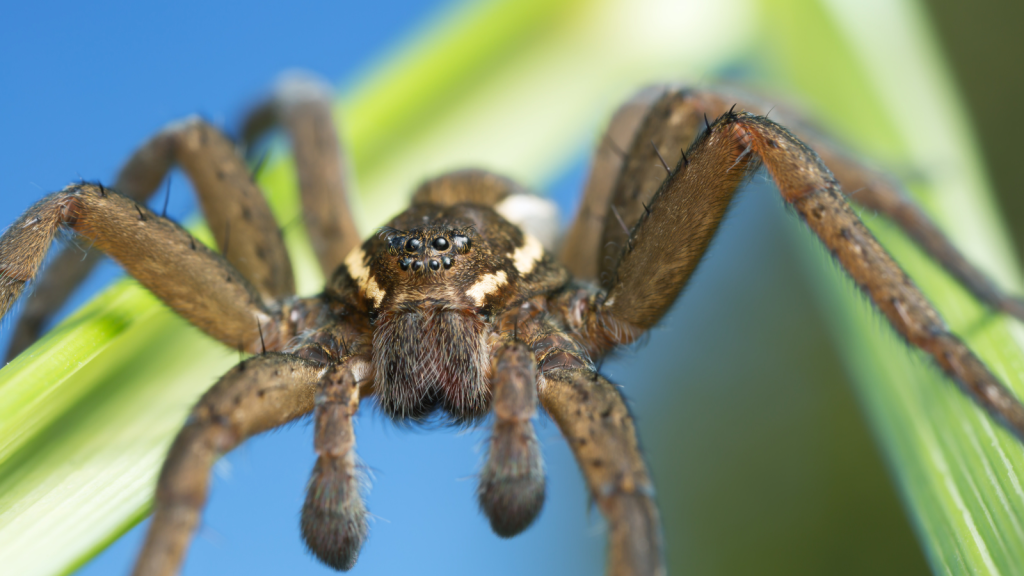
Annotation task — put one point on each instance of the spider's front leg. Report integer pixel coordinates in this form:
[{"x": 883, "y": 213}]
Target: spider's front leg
[
  {"x": 661, "y": 251},
  {"x": 259, "y": 394},
  {"x": 596, "y": 424},
  {"x": 234, "y": 206},
  {"x": 190, "y": 278},
  {"x": 334, "y": 515},
  {"x": 511, "y": 490}
]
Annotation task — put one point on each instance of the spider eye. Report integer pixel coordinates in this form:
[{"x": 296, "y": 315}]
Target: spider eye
[
  {"x": 416, "y": 265},
  {"x": 461, "y": 243},
  {"x": 413, "y": 245},
  {"x": 404, "y": 263},
  {"x": 396, "y": 242},
  {"x": 447, "y": 262},
  {"x": 435, "y": 265},
  {"x": 440, "y": 244}
]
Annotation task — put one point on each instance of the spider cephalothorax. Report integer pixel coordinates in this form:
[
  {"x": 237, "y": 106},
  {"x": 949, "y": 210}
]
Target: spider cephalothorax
[
  {"x": 430, "y": 282},
  {"x": 452, "y": 307}
]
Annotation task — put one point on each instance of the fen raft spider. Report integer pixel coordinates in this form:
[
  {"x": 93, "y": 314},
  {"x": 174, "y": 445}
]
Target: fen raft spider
[{"x": 452, "y": 311}]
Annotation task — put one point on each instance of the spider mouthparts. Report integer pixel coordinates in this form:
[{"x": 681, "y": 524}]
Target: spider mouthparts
[{"x": 428, "y": 357}]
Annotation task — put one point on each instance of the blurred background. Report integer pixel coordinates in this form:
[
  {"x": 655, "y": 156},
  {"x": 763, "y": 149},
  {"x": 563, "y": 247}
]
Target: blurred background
[{"x": 762, "y": 459}]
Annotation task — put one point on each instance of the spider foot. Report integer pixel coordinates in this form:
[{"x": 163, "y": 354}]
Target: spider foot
[
  {"x": 334, "y": 516},
  {"x": 511, "y": 491}
]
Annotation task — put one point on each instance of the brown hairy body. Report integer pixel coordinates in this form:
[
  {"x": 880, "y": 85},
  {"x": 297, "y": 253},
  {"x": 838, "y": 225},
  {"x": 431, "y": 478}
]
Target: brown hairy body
[{"x": 453, "y": 312}]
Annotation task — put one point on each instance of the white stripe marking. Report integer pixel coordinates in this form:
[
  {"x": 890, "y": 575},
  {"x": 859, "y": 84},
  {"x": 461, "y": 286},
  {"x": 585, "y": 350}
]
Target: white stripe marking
[
  {"x": 486, "y": 285},
  {"x": 526, "y": 256},
  {"x": 361, "y": 274}
]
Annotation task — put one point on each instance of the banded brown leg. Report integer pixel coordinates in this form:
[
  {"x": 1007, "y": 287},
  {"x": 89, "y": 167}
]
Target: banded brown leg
[
  {"x": 234, "y": 207},
  {"x": 648, "y": 135},
  {"x": 673, "y": 232},
  {"x": 511, "y": 489},
  {"x": 197, "y": 283},
  {"x": 259, "y": 394},
  {"x": 302, "y": 105},
  {"x": 597, "y": 425}
]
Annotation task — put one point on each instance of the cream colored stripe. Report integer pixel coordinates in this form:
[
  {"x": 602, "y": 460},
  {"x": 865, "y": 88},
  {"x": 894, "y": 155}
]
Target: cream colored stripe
[{"x": 526, "y": 256}]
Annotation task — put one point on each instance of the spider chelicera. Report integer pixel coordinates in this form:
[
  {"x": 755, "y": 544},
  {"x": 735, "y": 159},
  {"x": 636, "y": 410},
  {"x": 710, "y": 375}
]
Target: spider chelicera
[{"x": 453, "y": 311}]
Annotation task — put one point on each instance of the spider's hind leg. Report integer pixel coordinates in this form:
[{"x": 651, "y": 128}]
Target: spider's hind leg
[{"x": 302, "y": 105}]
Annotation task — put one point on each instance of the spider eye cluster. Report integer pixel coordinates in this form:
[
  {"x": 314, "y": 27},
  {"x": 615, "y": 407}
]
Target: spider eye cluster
[{"x": 430, "y": 251}]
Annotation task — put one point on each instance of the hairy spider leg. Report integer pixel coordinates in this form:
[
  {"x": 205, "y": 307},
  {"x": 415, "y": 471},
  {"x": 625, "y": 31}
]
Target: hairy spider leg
[
  {"x": 594, "y": 419},
  {"x": 334, "y": 516},
  {"x": 258, "y": 394},
  {"x": 197, "y": 283},
  {"x": 235, "y": 208},
  {"x": 673, "y": 232},
  {"x": 302, "y": 105},
  {"x": 609, "y": 212},
  {"x": 597, "y": 425},
  {"x": 582, "y": 245},
  {"x": 511, "y": 488}
]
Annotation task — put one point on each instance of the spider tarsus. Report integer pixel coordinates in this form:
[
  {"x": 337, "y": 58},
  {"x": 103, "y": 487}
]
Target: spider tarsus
[
  {"x": 333, "y": 518},
  {"x": 512, "y": 486}
]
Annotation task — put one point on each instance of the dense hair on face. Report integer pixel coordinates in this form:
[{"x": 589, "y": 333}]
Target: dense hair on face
[{"x": 428, "y": 357}]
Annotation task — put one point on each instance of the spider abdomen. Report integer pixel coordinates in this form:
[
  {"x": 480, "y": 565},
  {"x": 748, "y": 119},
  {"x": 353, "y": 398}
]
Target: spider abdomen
[{"x": 428, "y": 355}]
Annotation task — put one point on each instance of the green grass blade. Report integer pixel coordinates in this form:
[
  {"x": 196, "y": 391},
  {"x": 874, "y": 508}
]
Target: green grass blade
[{"x": 875, "y": 77}]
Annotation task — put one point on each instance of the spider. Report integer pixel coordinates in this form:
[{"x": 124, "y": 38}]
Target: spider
[{"x": 454, "y": 311}]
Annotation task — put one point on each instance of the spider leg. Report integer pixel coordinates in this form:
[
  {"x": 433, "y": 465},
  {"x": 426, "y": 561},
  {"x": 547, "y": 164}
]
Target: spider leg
[
  {"x": 581, "y": 249},
  {"x": 511, "y": 490},
  {"x": 259, "y": 394},
  {"x": 190, "y": 278},
  {"x": 608, "y": 213},
  {"x": 334, "y": 515},
  {"x": 671, "y": 236},
  {"x": 879, "y": 193},
  {"x": 302, "y": 105},
  {"x": 596, "y": 424},
  {"x": 598, "y": 427},
  {"x": 237, "y": 212},
  {"x": 235, "y": 208}
]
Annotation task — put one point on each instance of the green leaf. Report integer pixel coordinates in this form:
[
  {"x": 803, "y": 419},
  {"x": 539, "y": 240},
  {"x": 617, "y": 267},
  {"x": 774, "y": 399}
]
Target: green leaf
[{"x": 875, "y": 77}]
